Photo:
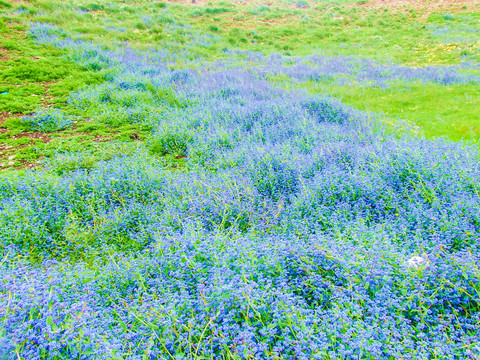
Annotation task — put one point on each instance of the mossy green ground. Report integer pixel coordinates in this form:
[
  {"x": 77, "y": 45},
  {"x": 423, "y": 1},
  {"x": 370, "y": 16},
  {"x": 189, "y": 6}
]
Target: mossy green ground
[{"x": 34, "y": 76}]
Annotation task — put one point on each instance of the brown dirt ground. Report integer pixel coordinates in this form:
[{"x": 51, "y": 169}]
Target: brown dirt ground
[
  {"x": 34, "y": 136},
  {"x": 237, "y": 2},
  {"x": 3, "y": 54},
  {"x": 395, "y": 5},
  {"x": 427, "y": 6},
  {"x": 4, "y": 116}
]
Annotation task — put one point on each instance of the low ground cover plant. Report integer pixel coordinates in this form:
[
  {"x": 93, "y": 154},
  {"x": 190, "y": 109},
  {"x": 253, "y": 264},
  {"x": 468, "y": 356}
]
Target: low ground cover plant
[
  {"x": 47, "y": 121},
  {"x": 251, "y": 219}
]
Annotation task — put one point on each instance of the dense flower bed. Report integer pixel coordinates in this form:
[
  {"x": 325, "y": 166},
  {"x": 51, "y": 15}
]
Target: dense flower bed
[{"x": 288, "y": 236}]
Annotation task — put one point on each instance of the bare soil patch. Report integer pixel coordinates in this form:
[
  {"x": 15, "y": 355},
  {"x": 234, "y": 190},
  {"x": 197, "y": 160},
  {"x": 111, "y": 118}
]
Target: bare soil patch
[
  {"x": 4, "y": 54},
  {"x": 276, "y": 3},
  {"x": 34, "y": 136},
  {"x": 427, "y": 6},
  {"x": 4, "y": 116}
]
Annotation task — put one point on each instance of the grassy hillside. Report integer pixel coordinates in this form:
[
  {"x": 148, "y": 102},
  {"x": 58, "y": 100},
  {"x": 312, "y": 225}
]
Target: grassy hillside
[
  {"x": 396, "y": 36},
  {"x": 239, "y": 180}
]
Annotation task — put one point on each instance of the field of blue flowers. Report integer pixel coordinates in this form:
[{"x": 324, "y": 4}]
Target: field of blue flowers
[{"x": 291, "y": 227}]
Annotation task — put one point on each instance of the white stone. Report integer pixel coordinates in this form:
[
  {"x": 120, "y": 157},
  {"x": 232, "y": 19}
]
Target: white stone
[{"x": 417, "y": 261}]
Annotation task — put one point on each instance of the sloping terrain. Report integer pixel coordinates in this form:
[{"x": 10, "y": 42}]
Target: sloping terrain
[{"x": 239, "y": 180}]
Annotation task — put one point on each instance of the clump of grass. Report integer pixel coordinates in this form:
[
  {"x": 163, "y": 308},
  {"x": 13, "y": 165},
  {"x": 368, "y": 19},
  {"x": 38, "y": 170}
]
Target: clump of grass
[
  {"x": 171, "y": 140},
  {"x": 4, "y": 4}
]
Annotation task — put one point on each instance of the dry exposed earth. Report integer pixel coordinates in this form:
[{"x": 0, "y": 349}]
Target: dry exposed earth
[
  {"x": 426, "y": 6},
  {"x": 3, "y": 54}
]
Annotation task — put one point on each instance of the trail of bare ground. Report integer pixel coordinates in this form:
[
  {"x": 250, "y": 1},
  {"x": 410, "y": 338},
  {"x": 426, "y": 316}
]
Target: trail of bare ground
[{"x": 425, "y": 6}]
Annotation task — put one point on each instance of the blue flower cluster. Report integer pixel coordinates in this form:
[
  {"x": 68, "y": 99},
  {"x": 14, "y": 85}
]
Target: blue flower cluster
[
  {"x": 354, "y": 70},
  {"x": 463, "y": 31},
  {"x": 347, "y": 70},
  {"x": 288, "y": 235},
  {"x": 342, "y": 69},
  {"x": 48, "y": 120}
]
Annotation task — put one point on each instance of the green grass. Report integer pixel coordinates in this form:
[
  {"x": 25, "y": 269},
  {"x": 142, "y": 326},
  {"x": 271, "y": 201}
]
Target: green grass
[
  {"x": 34, "y": 77},
  {"x": 31, "y": 74},
  {"x": 450, "y": 111}
]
